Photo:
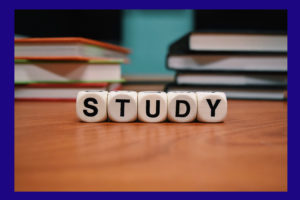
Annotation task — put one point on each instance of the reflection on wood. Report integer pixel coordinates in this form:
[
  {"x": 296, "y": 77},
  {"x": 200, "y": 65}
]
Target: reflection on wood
[{"x": 56, "y": 152}]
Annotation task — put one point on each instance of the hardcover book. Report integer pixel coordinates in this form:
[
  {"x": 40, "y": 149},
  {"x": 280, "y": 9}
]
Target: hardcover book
[
  {"x": 231, "y": 41},
  {"x": 67, "y": 72},
  {"x": 67, "y": 48}
]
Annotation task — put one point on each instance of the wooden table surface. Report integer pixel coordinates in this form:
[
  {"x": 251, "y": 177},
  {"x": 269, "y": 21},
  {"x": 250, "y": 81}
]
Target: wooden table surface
[{"x": 56, "y": 152}]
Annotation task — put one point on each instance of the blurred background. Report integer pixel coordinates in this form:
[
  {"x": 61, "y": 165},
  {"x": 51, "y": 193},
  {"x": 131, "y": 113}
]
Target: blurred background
[{"x": 150, "y": 35}]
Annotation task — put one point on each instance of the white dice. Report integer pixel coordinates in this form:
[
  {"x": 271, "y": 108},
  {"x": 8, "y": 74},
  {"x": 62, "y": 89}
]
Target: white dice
[
  {"x": 122, "y": 106},
  {"x": 212, "y": 106},
  {"x": 152, "y": 106},
  {"x": 91, "y": 106},
  {"x": 182, "y": 106}
]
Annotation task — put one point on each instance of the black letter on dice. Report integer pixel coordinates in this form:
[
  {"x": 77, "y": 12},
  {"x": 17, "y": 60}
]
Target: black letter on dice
[
  {"x": 148, "y": 109},
  {"x": 87, "y": 105},
  {"x": 187, "y": 105},
  {"x": 213, "y": 107},
  {"x": 122, "y": 101}
]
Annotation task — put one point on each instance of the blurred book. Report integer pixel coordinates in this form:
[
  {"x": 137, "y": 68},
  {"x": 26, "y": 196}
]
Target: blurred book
[
  {"x": 236, "y": 92},
  {"x": 232, "y": 41},
  {"x": 234, "y": 62},
  {"x": 232, "y": 79},
  {"x": 67, "y": 92},
  {"x": 245, "y": 63},
  {"x": 58, "y": 68},
  {"x": 114, "y": 86},
  {"x": 67, "y": 48},
  {"x": 65, "y": 72}
]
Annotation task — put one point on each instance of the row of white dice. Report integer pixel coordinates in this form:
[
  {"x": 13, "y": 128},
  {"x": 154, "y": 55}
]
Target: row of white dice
[{"x": 148, "y": 106}]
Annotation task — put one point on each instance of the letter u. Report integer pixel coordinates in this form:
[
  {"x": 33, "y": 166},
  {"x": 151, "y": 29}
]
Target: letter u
[{"x": 148, "y": 109}]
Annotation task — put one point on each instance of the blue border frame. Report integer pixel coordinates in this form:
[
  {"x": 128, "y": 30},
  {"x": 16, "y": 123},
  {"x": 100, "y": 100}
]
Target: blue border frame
[{"x": 7, "y": 86}]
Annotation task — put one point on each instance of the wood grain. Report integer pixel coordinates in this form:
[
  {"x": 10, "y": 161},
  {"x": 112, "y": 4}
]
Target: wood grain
[{"x": 56, "y": 152}]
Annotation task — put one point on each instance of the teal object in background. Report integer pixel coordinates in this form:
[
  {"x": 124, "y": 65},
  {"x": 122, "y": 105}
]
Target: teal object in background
[{"x": 148, "y": 33}]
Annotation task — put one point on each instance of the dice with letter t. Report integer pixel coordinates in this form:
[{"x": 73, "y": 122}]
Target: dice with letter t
[
  {"x": 212, "y": 106},
  {"x": 91, "y": 106},
  {"x": 122, "y": 106}
]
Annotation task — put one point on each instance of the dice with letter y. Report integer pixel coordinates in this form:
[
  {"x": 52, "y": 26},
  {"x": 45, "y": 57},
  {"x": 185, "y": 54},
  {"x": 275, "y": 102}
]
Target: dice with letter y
[{"x": 212, "y": 106}]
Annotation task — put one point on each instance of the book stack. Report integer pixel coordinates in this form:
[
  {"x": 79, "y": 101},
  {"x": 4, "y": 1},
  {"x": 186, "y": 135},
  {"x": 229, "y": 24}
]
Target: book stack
[
  {"x": 57, "y": 68},
  {"x": 243, "y": 64}
]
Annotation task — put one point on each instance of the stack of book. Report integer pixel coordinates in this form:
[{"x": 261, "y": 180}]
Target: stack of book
[
  {"x": 57, "y": 68},
  {"x": 243, "y": 64}
]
